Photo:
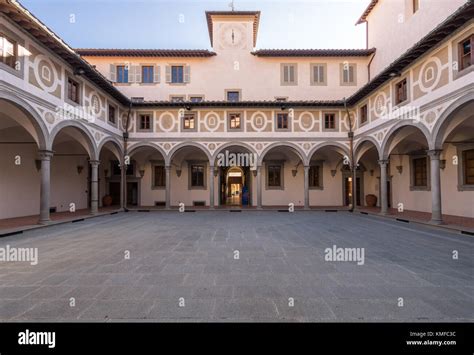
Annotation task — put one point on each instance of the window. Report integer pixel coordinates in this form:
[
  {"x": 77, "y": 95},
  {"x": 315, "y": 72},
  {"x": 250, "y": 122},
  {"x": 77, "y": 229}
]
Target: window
[
  {"x": 468, "y": 167},
  {"x": 159, "y": 176},
  {"x": 314, "y": 176},
  {"x": 196, "y": 98},
  {"x": 234, "y": 120},
  {"x": 72, "y": 90},
  {"x": 197, "y": 175},
  {"x": 147, "y": 74},
  {"x": 416, "y": 5},
  {"x": 401, "y": 91},
  {"x": 318, "y": 74},
  {"x": 8, "y": 51},
  {"x": 112, "y": 114},
  {"x": 282, "y": 121},
  {"x": 363, "y": 114},
  {"x": 122, "y": 74},
  {"x": 189, "y": 121},
  {"x": 233, "y": 96},
  {"x": 144, "y": 122},
  {"x": 420, "y": 172},
  {"x": 289, "y": 74},
  {"x": 329, "y": 121},
  {"x": 177, "y": 74},
  {"x": 466, "y": 56},
  {"x": 274, "y": 176},
  {"x": 177, "y": 98},
  {"x": 348, "y": 74},
  {"x": 281, "y": 99}
]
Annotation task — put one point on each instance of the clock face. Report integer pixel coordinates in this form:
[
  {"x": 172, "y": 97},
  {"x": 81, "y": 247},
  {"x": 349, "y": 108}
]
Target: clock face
[{"x": 232, "y": 36}]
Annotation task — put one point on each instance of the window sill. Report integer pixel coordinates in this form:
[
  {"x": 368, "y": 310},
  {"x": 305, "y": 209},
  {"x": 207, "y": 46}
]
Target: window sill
[
  {"x": 420, "y": 188},
  {"x": 461, "y": 73},
  {"x": 13, "y": 71},
  {"x": 465, "y": 187},
  {"x": 316, "y": 187},
  {"x": 158, "y": 187}
]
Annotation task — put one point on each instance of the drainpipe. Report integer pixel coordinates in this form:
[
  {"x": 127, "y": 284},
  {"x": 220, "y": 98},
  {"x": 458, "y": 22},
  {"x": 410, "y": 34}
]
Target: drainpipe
[
  {"x": 350, "y": 135},
  {"x": 124, "y": 166}
]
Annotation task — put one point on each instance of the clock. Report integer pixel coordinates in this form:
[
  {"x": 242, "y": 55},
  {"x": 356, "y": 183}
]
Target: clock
[{"x": 232, "y": 36}]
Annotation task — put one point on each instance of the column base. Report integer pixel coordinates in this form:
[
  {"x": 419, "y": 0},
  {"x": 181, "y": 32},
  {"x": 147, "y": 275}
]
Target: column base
[
  {"x": 44, "y": 221},
  {"x": 436, "y": 221}
]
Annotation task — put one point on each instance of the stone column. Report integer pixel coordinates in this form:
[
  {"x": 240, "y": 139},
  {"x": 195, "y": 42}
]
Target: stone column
[
  {"x": 123, "y": 189},
  {"x": 168, "y": 187},
  {"x": 45, "y": 188},
  {"x": 259, "y": 187},
  {"x": 94, "y": 186},
  {"x": 306, "y": 187},
  {"x": 383, "y": 187},
  {"x": 211, "y": 186},
  {"x": 436, "y": 210}
]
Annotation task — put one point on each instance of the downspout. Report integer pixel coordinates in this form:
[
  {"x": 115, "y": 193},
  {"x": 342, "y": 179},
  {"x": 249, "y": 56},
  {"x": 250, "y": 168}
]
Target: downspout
[
  {"x": 124, "y": 165},
  {"x": 350, "y": 135}
]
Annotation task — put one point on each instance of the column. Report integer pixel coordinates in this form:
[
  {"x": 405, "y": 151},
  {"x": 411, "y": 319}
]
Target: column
[
  {"x": 306, "y": 187},
  {"x": 123, "y": 190},
  {"x": 436, "y": 210},
  {"x": 383, "y": 187},
  {"x": 168, "y": 187},
  {"x": 259, "y": 187},
  {"x": 211, "y": 186},
  {"x": 45, "y": 188},
  {"x": 94, "y": 186}
]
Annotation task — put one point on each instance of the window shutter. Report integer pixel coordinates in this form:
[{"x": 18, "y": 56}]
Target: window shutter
[
  {"x": 113, "y": 73},
  {"x": 131, "y": 73},
  {"x": 187, "y": 73},
  {"x": 168, "y": 74},
  {"x": 351, "y": 74},
  {"x": 138, "y": 74},
  {"x": 321, "y": 74},
  {"x": 285, "y": 74},
  {"x": 292, "y": 74},
  {"x": 156, "y": 74}
]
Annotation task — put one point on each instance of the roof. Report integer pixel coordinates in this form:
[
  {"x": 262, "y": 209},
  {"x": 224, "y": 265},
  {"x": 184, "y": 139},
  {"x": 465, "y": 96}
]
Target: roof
[
  {"x": 24, "y": 19},
  {"x": 313, "y": 52},
  {"x": 112, "y": 52},
  {"x": 363, "y": 17},
  {"x": 273, "y": 103},
  {"x": 454, "y": 22},
  {"x": 254, "y": 14}
]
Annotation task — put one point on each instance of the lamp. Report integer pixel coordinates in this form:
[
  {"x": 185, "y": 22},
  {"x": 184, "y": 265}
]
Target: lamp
[
  {"x": 106, "y": 173},
  {"x": 79, "y": 71},
  {"x": 216, "y": 171},
  {"x": 371, "y": 172},
  {"x": 79, "y": 169},
  {"x": 294, "y": 172},
  {"x": 38, "y": 164},
  {"x": 178, "y": 172},
  {"x": 442, "y": 164},
  {"x": 141, "y": 172},
  {"x": 395, "y": 74},
  {"x": 333, "y": 172},
  {"x": 400, "y": 169},
  {"x": 254, "y": 172}
]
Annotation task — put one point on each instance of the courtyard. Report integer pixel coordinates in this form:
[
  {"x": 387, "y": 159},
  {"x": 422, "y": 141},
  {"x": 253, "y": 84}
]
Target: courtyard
[{"x": 218, "y": 266}]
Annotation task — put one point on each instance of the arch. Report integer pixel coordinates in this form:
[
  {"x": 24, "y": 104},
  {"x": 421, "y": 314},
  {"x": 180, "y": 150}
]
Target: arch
[
  {"x": 116, "y": 143},
  {"x": 234, "y": 144},
  {"x": 91, "y": 147},
  {"x": 178, "y": 147},
  {"x": 36, "y": 120},
  {"x": 297, "y": 149},
  {"x": 441, "y": 125},
  {"x": 343, "y": 147},
  {"x": 358, "y": 147},
  {"x": 394, "y": 129},
  {"x": 140, "y": 145}
]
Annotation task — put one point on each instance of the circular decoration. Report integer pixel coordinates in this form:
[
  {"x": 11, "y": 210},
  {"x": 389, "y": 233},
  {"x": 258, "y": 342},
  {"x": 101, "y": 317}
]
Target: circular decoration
[
  {"x": 379, "y": 136},
  {"x": 306, "y": 146},
  {"x": 49, "y": 117},
  {"x": 95, "y": 104},
  {"x": 212, "y": 121},
  {"x": 212, "y": 146},
  {"x": 97, "y": 136},
  {"x": 429, "y": 75},
  {"x": 167, "y": 146},
  {"x": 258, "y": 121},
  {"x": 167, "y": 122},
  {"x": 307, "y": 121},
  {"x": 232, "y": 35},
  {"x": 430, "y": 117},
  {"x": 259, "y": 146},
  {"x": 380, "y": 104},
  {"x": 45, "y": 73}
]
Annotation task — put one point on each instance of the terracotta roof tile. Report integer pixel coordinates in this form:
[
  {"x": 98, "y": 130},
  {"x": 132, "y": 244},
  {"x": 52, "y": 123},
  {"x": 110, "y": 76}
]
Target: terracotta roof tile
[
  {"x": 313, "y": 52},
  {"x": 113, "y": 52}
]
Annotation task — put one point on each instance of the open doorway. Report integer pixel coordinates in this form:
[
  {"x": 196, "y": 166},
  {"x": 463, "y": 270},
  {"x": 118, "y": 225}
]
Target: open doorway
[{"x": 235, "y": 186}]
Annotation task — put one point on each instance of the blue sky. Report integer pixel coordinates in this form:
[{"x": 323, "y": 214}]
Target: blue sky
[{"x": 181, "y": 24}]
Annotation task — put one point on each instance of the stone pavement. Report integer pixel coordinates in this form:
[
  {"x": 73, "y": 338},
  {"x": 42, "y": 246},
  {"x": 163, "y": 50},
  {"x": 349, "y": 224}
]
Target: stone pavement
[{"x": 170, "y": 266}]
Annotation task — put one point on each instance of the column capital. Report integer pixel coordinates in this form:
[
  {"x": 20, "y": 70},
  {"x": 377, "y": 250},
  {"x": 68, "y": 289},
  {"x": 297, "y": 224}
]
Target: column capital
[
  {"x": 45, "y": 154},
  {"x": 168, "y": 167},
  {"x": 94, "y": 163},
  {"x": 383, "y": 162},
  {"x": 434, "y": 153}
]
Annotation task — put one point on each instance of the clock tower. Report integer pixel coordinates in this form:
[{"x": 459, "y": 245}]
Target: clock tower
[{"x": 233, "y": 30}]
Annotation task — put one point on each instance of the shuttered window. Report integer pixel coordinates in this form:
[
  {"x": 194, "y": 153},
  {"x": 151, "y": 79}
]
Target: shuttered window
[{"x": 289, "y": 74}]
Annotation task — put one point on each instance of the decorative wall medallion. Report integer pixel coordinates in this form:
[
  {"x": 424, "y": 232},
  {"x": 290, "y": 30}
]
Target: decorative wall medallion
[
  {"x": 49, "y": 117},
  {"x": 258, "y": 121},
  {"x": 430, "y": 74},
  {"x": 45, "y": 73},
  {"x": 212, "y": 121},
  {"x": 380, "y": 104},
  {"x": 306, "y": 121},
  {"x": 167, "y": 122}
]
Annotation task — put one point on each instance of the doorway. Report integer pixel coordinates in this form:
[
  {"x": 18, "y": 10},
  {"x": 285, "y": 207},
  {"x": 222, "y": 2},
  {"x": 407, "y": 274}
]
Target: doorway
[
  {"x": 348, "y": 190},
  {"x": 234, "y": 186}
]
